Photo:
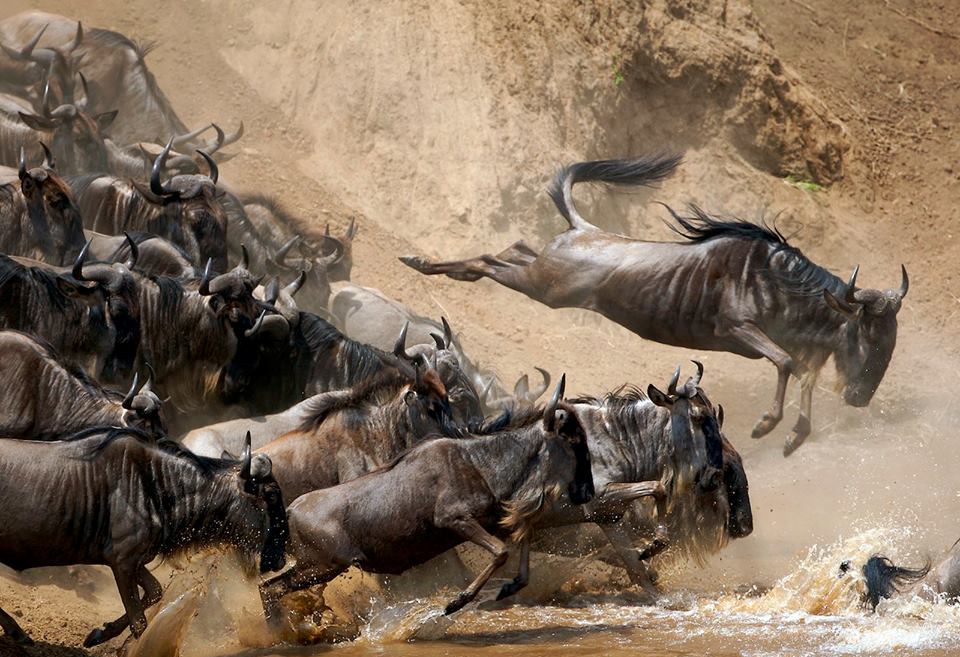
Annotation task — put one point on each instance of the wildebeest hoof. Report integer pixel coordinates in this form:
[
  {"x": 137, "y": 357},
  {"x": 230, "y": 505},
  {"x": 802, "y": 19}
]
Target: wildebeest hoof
[
  {"x": 510, "y": 588},
  {"x": 764, "y": 426},
  {"x": 793, "y": 442},
  {"x": 95, "y": 638},
  {"x": 21, "y": 638},
  {"x": 656, "y": 546},
  {"x": 457, "y": 604}
]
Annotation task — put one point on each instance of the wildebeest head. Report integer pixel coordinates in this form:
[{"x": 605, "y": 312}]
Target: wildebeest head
[
  {"x": 314, "y": 267},
  {"x": 737, "y": 488},
  {"x": 144, "y": 410},
  {"x": 255, "y": 479},
  {"x": 77, "y": 138},
  {"x": 197, "y": 203},
  {"x": 868, "y": 336},
  {"x": 51, "y": 204},
  {"x": 567, "y": 447},
  {"x": 427, "y": 403},
  {"x": 340, "y": 269},
  {"x": 231, "y": 297}
]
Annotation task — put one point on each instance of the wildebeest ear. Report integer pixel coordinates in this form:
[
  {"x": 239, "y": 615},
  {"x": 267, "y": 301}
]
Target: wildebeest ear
[
  {"x": 105, "y": 119},
  {"x": 38, "y": 122},
  {"x": 70, "y": 289},
  {"x": 839, "y": 306},
  {"x": 657, "y": 397}
]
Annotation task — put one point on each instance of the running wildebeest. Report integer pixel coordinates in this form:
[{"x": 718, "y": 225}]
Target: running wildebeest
[
  {"x": 44, "y": 398},
  {"x": 883, "y": 579},
  {"x": 39, "y": 218},
  {"x": 347, "y": 435},
  {"x": 186, "y": 210},
  {"x": 120, "y": 501},
  {"x": 733, "y": 286},
  {"x": 434, "y": 497}
]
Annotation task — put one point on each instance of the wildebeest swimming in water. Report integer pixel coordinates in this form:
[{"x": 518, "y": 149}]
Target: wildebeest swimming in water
[
  {"x": 121, "y": 500},
  {"x": 732, "y": 286},
  {"x": 883, "y": 579},
  {"x": 44, "y": 398},
  {"x": 434, "y": 497}
]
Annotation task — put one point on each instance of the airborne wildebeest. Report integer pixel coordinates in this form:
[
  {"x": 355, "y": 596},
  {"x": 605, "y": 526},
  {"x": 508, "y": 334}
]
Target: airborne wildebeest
[
  {"x": 39, "y": 217},
  {"x": 44, "y": 398},
  {"x": 884, "y": 579},
  {"x": 121, "y": 501},
  {"x": 368, "y": 315},
  {"x": 115, "y": 70},
  {"x": 186, "y": 210},
  {"x": 347, "y": 435},
  {"x": 668, "y": 446},
  {"x": 733, "y": 286},
  {"x": 434, "y": 497}
]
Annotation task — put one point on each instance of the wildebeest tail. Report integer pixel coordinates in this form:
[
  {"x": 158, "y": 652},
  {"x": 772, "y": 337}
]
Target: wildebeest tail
[
  {"x": 645, "y": 170},
  {"x": 883, "y": 578}
]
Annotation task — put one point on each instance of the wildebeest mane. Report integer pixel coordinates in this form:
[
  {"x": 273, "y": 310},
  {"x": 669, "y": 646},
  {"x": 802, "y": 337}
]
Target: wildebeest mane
[
  {"x": 273, "y": 205},
  {"x": 40, "y": 278},
  {"x": 883, "y": 578},
  {"x": 794, "y": 272},
  {"x": 361, "y": 360},
  {"x": 365, "y": 391},
  {"x": 510, "y": 417},
  {"x": 109, "y": 435}
]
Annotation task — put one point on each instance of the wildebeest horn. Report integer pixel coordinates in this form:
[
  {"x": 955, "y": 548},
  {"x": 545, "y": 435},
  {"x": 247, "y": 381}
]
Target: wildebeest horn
[
  {"x": 852, "y": 286},
  {"x": 27, "y": 50},
  {"x": 22, "y": 166},
  {"x": 78, "y": 38},
  {"x": 229, "y": 139},
  {"x": 244, "y": 257},
  {"x": 158, "y": 164},
  {"x": 486, "y": 389},
  {"x": 252, "y": 331},
  {"x": 672, "y": 388},
  {"x": 77, "y": 271},
  {"x": 904, "y": 282},
  {"x": 273, "y": 325},
  {"x": 326, "y": 230},
  {"x": 550, "y": 412},
  {"x": 282, "y": 252},
  {"x": 134, "y": 251},
  {"x": 86, "y": 92},
  {"x": 204, "y": 288},
  {"x": 352, "y": 228},
  {"x": 338, "y": 250},
  {"x": 294, "y": 286},
  {"x": 65, "y": 111},
  {"x": 438, "y": 340},
  {"x": 400, "y": 347},
  {"x": 271, "y": 291},
  {"x": 128, "y": 400},
  {"x": 447, "y": 331},
  {"x": 213, "y": 146},
  {"x": 245, "y": 458},
  {"x": 180, "y": 140},
  {"x": 433, "y": 362},
  {"x": 214, "y": 171},
  {"x": 418, "y": 374},
  {"x": 534, "y": 394},
  {"x": 48, "y": 160},
  {"x": 696, "y": 380}
]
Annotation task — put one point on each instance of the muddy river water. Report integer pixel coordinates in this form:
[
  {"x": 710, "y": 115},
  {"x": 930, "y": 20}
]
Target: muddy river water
[{"x": 811, "y": 611}]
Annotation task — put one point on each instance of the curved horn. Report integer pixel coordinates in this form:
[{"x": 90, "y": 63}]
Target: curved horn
[
  {"x": 400, "y": 348},
  {"x": 245, "y": 459},
  {"x": 438, "y": 340},
  {"x": 214, "y": 145},
  {"x": 77, "y": 271},
  {"x": 852, "y": 286},
  {"x": 151, "y": 375},
  {"x": 535, "y": 394},
  {"x": 86, "y": 92},
  {"x": 447, "y": 331},
  {"x": 282, "y": 252},
  {"x": 22, "y": 165},
  {"x": 48, "y": 160},
  {"x": 244, "y": 257},
  {"x": 229, "y": 139},
  {"x": 78, "y": 38},
  {"x": 158, "y": 164},
  {"x": 214, "y": 171},
  {"x": 134, "y": 251},
  {"x": 352, "y": 228},
  {"x": 550, "y": 412},
  {"x": 271, "y": 291},
  {"x": 904, "y": 282},
  {"x": 65, "y": 111},
  {"x": 180, "y": 140},
  {"x": 293, "y": 287},
  {"x": 672, "y": 388},
  {"x": 696, "y": 380},
  {"x": 326, "y": 230},
  {"x": 27, "y": 50},
  {"x": 128, "y": 400},
  {"x": 204, "y": 288},
  {"x": 252, "y": 331}
]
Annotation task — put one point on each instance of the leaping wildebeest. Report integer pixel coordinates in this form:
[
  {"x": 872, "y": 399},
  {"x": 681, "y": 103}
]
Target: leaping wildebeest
[
  {"x": 120, "y": 500},
  {"x": 434, "y": 497},
  {"x": 731, "y": 286}
]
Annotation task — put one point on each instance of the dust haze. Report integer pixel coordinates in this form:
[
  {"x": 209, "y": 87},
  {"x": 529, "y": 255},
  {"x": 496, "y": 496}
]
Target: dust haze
[{"x": 438, "y": 125}]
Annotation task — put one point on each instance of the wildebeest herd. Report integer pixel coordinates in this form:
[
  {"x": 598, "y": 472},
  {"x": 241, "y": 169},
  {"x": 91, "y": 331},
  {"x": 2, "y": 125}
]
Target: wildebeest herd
[{"x": 176, "y": 360}]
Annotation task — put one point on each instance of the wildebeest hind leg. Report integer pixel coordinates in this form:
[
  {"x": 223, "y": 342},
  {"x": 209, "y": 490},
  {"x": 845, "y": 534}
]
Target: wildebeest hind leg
[
  {"x": 801, "y": 430},
  {"x": 290, "y": 581},
  {"x": 471, "y": 530},
  {"x": 472, "y": 269},
  {"x": 152, "y": 592},
  {"x": 756, "y": 341},
  {"x": 523, "y": 575},
  {"x": 13, "y": 630}
]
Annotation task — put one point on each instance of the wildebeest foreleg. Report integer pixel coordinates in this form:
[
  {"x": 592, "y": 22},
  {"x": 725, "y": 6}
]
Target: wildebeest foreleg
[
  {"x": 802, "y": 428},
  {"x": 289, "y": 581},
  {"x": 152, "y": 592},
  {"x": 757, "y": 342},
  {"x": 507, "y": 267},
  {"x": 523, "y": 575},
  {"x": 13, "y": 630},
  {"x": 127, "y": 580},
  {"x": 622, "y": 544},
  {"x": 471, "y": 530}
]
